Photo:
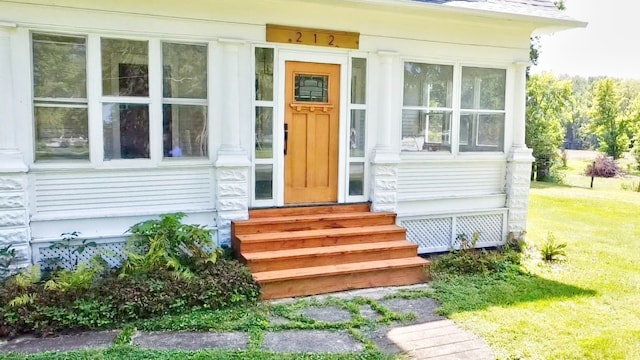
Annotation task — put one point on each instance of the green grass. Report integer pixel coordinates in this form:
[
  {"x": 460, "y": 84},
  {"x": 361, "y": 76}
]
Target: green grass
[{"x": 583, "y": 308}]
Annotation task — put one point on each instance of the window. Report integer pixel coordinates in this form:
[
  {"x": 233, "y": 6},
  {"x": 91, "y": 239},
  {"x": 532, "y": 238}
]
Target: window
[
  {"x": 357, "y": 136},
  {"x": 125, "y": 89},
  {"x": 263, "y": 174},
  {"x": 184, "y": 109},
  {"x": 427, "y": 112},
  {"x": 60, "y": 97},
  {"x": 125, "y": 102},
  {"x": 482, "y": 109},
  {"x": 427, "y": 107}
]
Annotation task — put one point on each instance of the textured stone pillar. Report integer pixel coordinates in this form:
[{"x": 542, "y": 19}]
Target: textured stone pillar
[
  {"x": 385, "y": 160},
  {"x": 14, "y": 220},
  {"x": 232, "y": 164},
  {"x": 520, "y": 159}
]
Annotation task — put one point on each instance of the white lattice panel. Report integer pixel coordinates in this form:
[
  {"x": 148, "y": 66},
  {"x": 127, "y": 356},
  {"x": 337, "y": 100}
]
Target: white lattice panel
[
  {"x": 111, "y": 252},
  {"x": 489, "y": 226},
  {"x": 430, "y": 234}
]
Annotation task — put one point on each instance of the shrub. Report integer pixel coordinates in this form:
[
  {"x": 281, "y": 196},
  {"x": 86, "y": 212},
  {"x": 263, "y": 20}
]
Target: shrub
[
  {"x": 603, "y": 166},
  {"x": 112, "y": 300},
  {"x": 168, "y": 244},
  {"x": 8, "y": 258},
  {"x": 469, "y": 260},
  {"x": 552, "y": 250}
]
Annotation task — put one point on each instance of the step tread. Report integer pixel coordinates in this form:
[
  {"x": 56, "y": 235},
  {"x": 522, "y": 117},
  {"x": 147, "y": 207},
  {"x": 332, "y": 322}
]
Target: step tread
[
  {"x": 328, "y": 250},
  {"x": 308, "y": 209},
  {"x": 318, "y": 233},
  {"x": 314, "y": 217},
  {"x": 327, "y": 270}
]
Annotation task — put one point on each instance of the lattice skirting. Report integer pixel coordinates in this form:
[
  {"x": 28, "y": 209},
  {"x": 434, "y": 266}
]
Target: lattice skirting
[
  {"x": 438, "y": 233},
  {"x": 109, "y": 249}
]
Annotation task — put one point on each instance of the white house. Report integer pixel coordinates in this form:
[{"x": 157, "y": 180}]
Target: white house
[{"x": 113, "y": 112}]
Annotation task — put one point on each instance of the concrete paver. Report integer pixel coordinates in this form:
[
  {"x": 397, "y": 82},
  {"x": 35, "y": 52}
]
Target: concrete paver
[
  {"x": 191, "y": 340},
  {"x": 84, "y": 340},
  {"x": 315, "y": 341}
]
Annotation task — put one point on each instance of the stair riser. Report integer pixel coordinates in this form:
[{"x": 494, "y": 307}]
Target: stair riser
[
  {"x": 316, "y": 224},
  {"x": 324, "y": 284},
  {"x": 330, "y": 259},
  {"x": 289, "y": 244},
  {"x": 308, "y": 210}
]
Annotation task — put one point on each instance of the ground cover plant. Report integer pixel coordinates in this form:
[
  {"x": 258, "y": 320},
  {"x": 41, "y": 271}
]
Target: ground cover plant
[
  {"x": 582, "y": 308},
  {"x": 168, "y": 271}
]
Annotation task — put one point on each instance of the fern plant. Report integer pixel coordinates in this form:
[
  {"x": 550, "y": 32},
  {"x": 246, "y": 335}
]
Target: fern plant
[
  {"x": 168, "y": 244},
  {"x": 551, "y": 250},
  {"x": 79, "y": 278}
]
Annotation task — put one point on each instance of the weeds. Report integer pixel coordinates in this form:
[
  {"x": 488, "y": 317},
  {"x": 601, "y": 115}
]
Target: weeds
[{"x": 551, "y": 250}]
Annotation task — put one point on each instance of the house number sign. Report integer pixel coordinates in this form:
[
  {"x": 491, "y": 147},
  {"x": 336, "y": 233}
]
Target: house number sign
[{"x": 314, "y": 37}]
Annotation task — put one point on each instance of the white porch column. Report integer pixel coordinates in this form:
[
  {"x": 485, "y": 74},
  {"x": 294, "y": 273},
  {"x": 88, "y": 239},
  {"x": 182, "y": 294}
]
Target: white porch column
[
  {"x": 14, "y": 220},
  {"x": 385, "y": 160},
  {"x": 232, "y": 164},
  {"x": 520, "y": 158}
]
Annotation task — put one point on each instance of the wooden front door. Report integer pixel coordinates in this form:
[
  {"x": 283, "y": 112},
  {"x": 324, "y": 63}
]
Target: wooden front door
[{"x": 312, "y": 109}]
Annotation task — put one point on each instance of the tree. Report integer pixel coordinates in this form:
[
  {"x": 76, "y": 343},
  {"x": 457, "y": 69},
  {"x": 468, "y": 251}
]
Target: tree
[
  {"x": 607, "y": 120},
  {"x": 549, "y": 103}
]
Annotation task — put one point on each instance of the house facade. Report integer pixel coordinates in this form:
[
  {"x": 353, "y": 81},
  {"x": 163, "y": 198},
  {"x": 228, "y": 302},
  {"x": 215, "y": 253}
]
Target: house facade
[{"x": 115, "y": 112}]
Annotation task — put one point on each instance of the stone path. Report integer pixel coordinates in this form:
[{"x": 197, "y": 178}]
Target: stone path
[{"x": 429, "y": 336}]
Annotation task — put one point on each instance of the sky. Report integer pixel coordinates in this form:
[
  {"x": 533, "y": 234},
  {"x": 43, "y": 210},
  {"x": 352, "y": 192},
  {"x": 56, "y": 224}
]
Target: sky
[{"x": 608, "y": 46}]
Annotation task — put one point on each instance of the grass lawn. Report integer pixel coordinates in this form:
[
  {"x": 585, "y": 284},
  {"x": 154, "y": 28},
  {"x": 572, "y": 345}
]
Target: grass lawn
[{"x": 586, "y": 307}]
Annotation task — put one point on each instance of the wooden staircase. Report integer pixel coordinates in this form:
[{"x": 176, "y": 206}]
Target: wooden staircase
[{"x": 310, "y": 250}]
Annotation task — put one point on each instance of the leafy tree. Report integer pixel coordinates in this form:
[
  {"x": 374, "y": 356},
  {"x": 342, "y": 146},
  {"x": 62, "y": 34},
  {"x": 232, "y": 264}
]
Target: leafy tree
[
  {"x": 607, "y": 120},
  {"x": 548, "y": 109}
]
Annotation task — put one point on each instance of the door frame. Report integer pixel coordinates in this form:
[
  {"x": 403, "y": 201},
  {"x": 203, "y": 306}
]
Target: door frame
[{"x": 281, "y": 56}]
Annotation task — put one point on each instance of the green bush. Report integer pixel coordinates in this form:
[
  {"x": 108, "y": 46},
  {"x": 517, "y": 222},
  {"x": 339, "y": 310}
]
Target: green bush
[
  {"x": 168, "y": 244},
  {"x": 551, "y": 250},
  {"x": 111, "y": 300}
]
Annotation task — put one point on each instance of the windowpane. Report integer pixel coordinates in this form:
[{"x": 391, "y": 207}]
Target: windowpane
[
  {"x": 358, "y": 80},
  {"x": 264, "y": 74},
  {"x": 426, "y": 130},
  {"x": 185, "y": 71},
  {"x": 125, "y": 67},
  {"x": 61, "y": 133},
  {"x": 428, "y": 85},
  {"x": 185, "y": 130},
  {"x": 481, "y": 132},
  {"x": 126, "y": 131},
  {"x": 264, "y": 132},
  {"x": 483, "y": 88},
  {"x": 311, "y": 88},
  {"x": 264, "y": 182},
  {"x": 357, "y": 133},
  {"x": 59, "y": 66},
  {"x": 356, "y": 179}
]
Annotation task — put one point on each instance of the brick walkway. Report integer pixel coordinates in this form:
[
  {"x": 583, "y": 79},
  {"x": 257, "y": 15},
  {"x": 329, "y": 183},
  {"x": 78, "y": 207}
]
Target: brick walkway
[{"x": 442, "y": 340}]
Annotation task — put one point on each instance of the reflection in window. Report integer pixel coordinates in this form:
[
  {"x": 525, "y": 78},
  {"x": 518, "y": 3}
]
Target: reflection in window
[
  {"x": 427, "y": 107},
  {"x": 358, "y": 80},
  {"x": 264, "y": 132},
  {"x": 481, "y": 132},
  {"x": 184, "y": 113},
  {"x": 126, "y": 131},
  {"x": 311, "y": 88},
  {"x": 264, "y": 74},
  {"x": 264, "y": 182},
  {"x": 357, "y": 133},
  {"x": 185, "y": 130},
  {"x": 60, "y": 97},
  {"x": 125, "y": 67},
  {"x": 356, "y": 179}
]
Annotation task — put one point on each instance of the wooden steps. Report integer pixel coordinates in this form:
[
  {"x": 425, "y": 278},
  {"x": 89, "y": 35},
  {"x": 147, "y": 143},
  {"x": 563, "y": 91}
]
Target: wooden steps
[{"x": 317, "y": 249}]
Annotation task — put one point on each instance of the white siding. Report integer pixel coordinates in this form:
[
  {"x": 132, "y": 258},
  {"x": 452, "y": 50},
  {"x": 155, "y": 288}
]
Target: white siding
[
  {"x": 122, "y": 191},
  {"x": 453, "y": 178}
]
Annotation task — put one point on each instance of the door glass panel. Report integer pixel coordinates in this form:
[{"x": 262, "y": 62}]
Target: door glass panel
[
  {"x": 264, "y": 74},
  {"x": 264, "y": 182},
  {"x": 356, "y": 179},
  {"x": 357, "y": 133},
  {"x": 264, "y": 132},
  {"x": 358, "y": 80},
  {"x": 311, "y": 88}
]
